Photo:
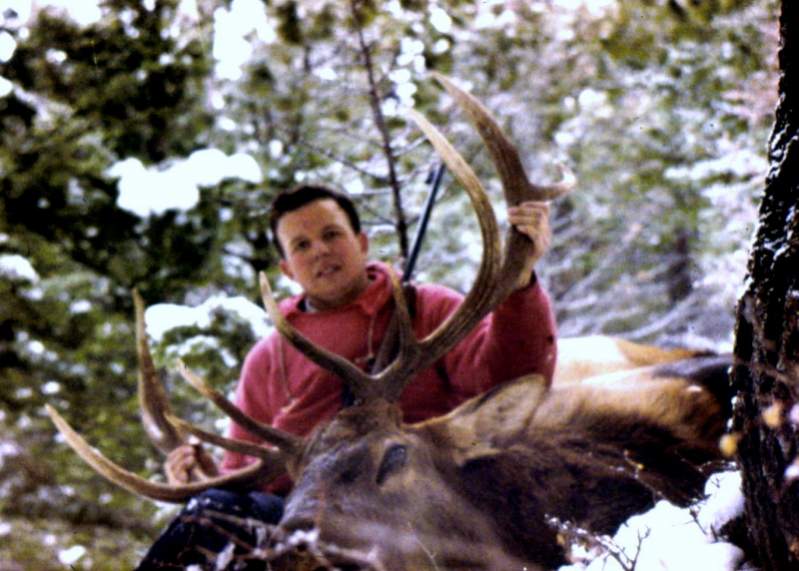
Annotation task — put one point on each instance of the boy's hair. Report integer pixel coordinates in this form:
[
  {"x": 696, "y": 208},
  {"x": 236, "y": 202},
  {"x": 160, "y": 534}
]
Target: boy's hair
[{"x": 295, "y": 198}]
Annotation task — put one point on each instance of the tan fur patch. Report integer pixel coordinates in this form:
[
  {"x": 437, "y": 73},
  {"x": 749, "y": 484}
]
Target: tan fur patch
[
  {"x": 580, "y": 358},
  {"x": 668, "y": 402}
]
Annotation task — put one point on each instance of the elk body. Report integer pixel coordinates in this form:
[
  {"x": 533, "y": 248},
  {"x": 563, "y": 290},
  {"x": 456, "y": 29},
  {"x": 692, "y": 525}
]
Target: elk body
[{"x": 478, "y": 487}]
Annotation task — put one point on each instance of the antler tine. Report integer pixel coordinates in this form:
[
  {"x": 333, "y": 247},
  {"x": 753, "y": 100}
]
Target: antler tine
[
  {"x": 478, "y": 300},
  {"x": 498, "y": 275},
  {"x": 266, "y": 453},
  {"x": 504, "y": 154},
  {"x": 393, "y": 378},
  {"x": 416, "y": 355},
  {"x": 360, "y": 383},
  {"x": 515, "y": 184},
  {"x": 476, "y": 303},
  {"x": 287, "y": 443},
  {"x": 153, "y": 400},
  {"x": 407, "y": 340},
  {"x": 259, "y": 471}
]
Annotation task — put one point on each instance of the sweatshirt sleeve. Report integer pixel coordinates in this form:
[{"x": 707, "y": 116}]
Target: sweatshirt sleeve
[
  {"x": 518, "y": 338},
  {"x": 254, "y": 394}
]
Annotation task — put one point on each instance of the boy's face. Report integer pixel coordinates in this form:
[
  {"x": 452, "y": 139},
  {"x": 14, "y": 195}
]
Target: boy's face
[{"x": 323, "y": 254}]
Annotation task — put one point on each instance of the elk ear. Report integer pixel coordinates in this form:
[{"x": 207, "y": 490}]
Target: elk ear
[{"x": 488, "y": 420}]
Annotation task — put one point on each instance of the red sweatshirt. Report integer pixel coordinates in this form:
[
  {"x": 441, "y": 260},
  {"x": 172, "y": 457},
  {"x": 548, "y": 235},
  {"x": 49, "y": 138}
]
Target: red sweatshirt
[{"x": 282, "y": 387}]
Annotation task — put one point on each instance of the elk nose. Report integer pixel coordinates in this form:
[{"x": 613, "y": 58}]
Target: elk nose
[{"x": 297, "y": 523}]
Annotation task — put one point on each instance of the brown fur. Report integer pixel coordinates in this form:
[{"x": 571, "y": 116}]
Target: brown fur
[{"x": 475, "y": 489}]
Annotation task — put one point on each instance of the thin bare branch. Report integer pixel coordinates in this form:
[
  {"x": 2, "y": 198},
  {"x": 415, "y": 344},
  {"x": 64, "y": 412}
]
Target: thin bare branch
[{"x": 376, "y": 101}]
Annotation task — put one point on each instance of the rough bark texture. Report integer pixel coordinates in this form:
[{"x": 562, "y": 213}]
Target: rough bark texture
[{"x": 766, "y": 375}]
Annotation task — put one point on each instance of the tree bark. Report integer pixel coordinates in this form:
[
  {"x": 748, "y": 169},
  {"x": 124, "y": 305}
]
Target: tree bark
[{"x": 766, "y": 373}]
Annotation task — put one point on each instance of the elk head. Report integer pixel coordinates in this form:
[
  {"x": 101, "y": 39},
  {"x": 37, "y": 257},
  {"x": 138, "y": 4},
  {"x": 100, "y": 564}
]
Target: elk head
[
  {"x": 406, "y": 493},
  {"x": 478, "y": 487}
]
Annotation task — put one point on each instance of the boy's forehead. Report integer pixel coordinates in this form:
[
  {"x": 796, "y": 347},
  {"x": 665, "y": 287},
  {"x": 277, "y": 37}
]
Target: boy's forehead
[{"x": 322, "y": 212}]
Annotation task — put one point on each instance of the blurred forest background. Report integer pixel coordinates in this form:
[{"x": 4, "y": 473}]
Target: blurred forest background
[{"x": 142, "y": 140}]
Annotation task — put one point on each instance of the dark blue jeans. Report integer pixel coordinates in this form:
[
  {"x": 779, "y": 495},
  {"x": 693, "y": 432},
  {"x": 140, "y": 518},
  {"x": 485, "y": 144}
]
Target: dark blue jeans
[{"x": 199, "y": 531}]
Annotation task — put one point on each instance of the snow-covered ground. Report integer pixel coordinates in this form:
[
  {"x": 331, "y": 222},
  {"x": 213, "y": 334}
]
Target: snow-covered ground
[{"x": 668, "y": 538}]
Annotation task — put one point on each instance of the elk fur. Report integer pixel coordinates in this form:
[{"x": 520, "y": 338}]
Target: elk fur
[{"x": 499, "y": 467}]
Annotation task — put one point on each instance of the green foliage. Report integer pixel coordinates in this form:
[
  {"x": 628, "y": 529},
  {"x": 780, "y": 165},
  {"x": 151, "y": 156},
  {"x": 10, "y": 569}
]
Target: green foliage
[
  {"x": 643, "y": 105},
  {"x": 36, "y": 544},
  {"x": 123, "y": 87},
  {"x": 131, "y": 81},
  {"x": 290, "y": 28}
]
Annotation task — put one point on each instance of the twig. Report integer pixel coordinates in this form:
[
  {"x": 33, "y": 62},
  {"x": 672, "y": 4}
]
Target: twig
[{"x": 377, "y": 112}]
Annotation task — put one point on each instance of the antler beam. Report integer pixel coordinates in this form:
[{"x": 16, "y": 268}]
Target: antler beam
[{"x": 167, "y": 432}]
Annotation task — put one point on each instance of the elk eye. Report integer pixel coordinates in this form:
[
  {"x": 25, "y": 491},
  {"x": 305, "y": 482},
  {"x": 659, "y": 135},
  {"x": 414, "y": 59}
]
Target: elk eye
[{"x": 393, "y": 460}]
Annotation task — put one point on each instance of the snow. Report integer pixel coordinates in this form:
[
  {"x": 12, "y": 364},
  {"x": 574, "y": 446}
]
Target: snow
[
  {"x": 83, "y": 13},
  {"x": 739, "y": 162},
  {"x": 793, "y": 415},
  {"x": 595, "y": 7},
  {"x": 6, "y": 87},
  {"x": 204, "y": 342},
  {"x": 162, "y": 317},
  {"x": 668, "y": 538},
  {"x": 440, "y": 20},
  {"x": 51, "y": 388},
  {"x": 14, "y": 266},
  {"x": 146, "y": 191},
  {"x": 7, "y": 46},
  {"x": 71, "y": 555},
  {"x": 21, "y": 7},
  {"x": 231, "y": 48},
  {"x": 80, "y": 306}
]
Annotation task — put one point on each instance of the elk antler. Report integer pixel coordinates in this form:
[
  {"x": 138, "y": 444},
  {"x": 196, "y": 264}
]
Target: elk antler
[
  {"x": 263, "y": 469},
  {"x": 153, "y": 400},
  {"x": 168, "y": 432},
  {"x": 498, "y": 275},
  {"x": 496, "y": 278}
]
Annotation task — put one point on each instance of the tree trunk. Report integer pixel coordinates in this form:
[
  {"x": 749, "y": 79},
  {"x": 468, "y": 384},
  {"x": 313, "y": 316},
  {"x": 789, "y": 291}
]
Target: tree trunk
[{"x": 766, "y": 375}]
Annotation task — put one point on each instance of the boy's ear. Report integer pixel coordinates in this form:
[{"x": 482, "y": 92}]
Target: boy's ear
[
  {"x": 285, "y": 268},
  {"x": 474, "y": 427},
  {"x": 363, "y": 240}
]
